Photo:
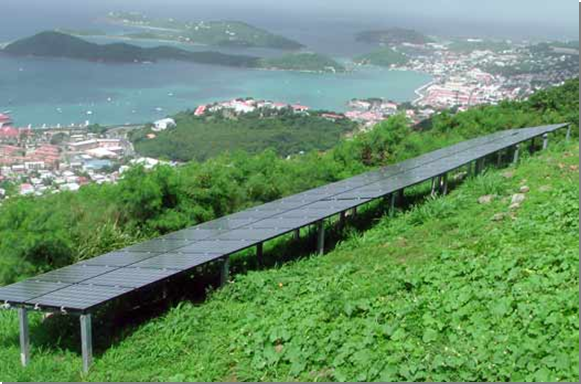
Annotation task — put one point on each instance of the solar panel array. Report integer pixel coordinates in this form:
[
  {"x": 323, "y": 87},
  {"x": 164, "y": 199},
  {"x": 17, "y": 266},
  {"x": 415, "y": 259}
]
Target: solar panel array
[{"x": 88, "y": 284}]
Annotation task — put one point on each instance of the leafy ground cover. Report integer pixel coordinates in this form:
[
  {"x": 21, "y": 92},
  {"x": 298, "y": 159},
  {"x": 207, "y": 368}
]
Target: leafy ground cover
[{"x": 458, "y": 288}]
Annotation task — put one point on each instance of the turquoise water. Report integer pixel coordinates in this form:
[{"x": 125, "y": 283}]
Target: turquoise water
[{"x": 55, "y": 91}]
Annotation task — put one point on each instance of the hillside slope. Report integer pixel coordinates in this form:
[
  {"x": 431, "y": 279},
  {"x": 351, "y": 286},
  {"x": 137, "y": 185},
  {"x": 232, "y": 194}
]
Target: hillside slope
[{"x": 453, "y": 290}]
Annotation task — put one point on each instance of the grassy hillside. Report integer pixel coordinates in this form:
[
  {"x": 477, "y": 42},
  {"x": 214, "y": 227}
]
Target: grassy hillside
[{"x": 453, "y": 290}]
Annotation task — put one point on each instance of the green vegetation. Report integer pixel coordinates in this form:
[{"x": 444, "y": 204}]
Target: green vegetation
[
  {"x": 56, "y": 44},
  {"x": 200, "y": 138},
  {"x": 488, "y": 294},
  {"x": 308, "y": 62},
  {"x": 216, "y": 33},
  {"x": 393, "y": 36},
  {"x": 466, "y": 46},
  {"x": 385, "y": 57}
]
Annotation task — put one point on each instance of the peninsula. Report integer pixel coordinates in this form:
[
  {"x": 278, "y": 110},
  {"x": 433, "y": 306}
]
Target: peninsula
[
  {"x": 61, "y": 45},
  {"x": 393, "y": 36},
  {"x": 212, "y": 33}
]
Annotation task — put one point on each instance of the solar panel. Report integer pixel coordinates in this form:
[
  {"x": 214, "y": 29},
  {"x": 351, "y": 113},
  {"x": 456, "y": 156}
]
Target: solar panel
[
  {"x": 158, "y": 245},
  {"x": 28, "y": 290},
  {"x": 251, "y": 234},
  {"x": 217, "y": 246},
  {"x": 193, "y": 234},
  {"x": 74, "y": 274},
  {"x": 119, "y": 259},
  {"x": 130, "y": 277},
  {"x": 78, "y": 297},
  {"x": 178, "y": 261},
  {"x": 96, "y": 281}
]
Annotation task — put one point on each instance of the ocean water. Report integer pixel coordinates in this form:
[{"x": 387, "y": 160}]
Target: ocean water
[
  {"x": 42, "y": 91},
  {"x": 55, "y": 91}
]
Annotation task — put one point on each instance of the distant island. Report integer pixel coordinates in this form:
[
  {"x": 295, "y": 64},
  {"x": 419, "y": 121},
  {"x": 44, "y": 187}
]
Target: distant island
[
  {"x": 213, "y": 33},
  {"x": 306, "y": 62},
  {"x": 393, "y": 36},
  {"x": 61, "y": 45},
  {"x": 385, "y": 57}
]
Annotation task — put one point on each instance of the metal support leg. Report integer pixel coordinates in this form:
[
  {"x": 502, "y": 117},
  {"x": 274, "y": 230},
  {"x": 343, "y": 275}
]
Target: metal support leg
[
  {"x": 516, "y": 153},
  {"x": 392, "y": 204},
  {"x": 444, "y": 187},
  {"x": 568, "y": 138},
  {"x": 545, "y": 141},
  {"x": 479, "y": 167},
  {"x": 24, "y": 337},
  {"x": 434, "y": 184},
  {"x": 342, "y": 219},
  {"x": 86, "y": 342},
  {"x": 401, "y": 197},
  {"x": 499, "y": 158},
  {"x": 259, "y": 253},
  {"x": 321, "y": 237},
  {"x": 225, "y": 271},
  {"x": 297, "y": 234},
  {"x": 354, "y": 212}
]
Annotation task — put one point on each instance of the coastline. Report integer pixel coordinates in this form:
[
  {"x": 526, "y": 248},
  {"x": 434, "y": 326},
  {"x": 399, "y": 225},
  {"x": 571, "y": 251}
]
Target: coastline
[{"x": 420, "y": 92}]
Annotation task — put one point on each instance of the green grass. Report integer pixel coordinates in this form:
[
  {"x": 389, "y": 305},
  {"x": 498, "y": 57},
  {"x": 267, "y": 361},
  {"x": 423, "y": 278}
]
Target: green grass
[{"x": 448, "y": 291}]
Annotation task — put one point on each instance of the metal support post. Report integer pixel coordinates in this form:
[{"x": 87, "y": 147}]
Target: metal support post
[
  {"x": 354, "y": 211},
  {"x": 479, "y": 167},
  {"x": 444, "y": 186},
  {"x": 86, "y": 342},
  {"x": 24, "y": 337},
  {"x": 434, "y": 184},
  {"x": 545, "y": 141},
  {"x": 568, "y": 137},
  {"x": 259, "y": 253},
  {"x": 499, "y": 158},
  {"x": 342, "y": 219},
  {"x": 225, "y": 271},
  {"x": 401, "y": 197},
  {"x": 392, "y": 204},
  {"x": 297, "y": 234},
  {"x": 321, "y": 237},
  {"x": 516, "y": 153}
]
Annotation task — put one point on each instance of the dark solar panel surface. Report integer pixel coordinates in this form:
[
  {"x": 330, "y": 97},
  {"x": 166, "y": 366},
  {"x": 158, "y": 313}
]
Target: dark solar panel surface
[{"x": 96, "y": 281}]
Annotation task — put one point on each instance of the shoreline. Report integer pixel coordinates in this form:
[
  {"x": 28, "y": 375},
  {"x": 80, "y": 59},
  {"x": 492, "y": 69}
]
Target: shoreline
[{"x": 420, "y": 92}]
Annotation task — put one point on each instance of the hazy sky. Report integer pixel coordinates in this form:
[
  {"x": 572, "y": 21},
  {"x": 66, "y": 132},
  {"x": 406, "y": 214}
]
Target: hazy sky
[{"x": 557, "y": 17}]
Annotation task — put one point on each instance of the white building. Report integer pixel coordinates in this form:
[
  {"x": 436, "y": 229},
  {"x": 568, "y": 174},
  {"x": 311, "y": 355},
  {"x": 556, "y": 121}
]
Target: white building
[{"x": 163, "y": 124}]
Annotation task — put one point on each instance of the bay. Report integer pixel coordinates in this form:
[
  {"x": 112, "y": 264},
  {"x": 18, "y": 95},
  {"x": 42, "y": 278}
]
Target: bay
[{"x": 41, "y": 91}]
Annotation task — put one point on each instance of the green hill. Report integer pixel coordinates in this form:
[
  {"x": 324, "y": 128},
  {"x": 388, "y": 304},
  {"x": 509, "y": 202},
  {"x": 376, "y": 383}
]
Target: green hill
[
  {"x": 385, "y": 57},
  {"x": 201, "y": 138},
  {"x": 309, "y": 62},
  {"x": 56, "y": 44},
  {"x": 453, "y": 290},
  {"x": 393, "y": 36},
  {"x": 216, "y": 33}
]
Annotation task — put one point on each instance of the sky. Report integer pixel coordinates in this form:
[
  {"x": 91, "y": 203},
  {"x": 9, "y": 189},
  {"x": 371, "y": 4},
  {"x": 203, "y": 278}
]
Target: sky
[{"x": 554, "y": 18}]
